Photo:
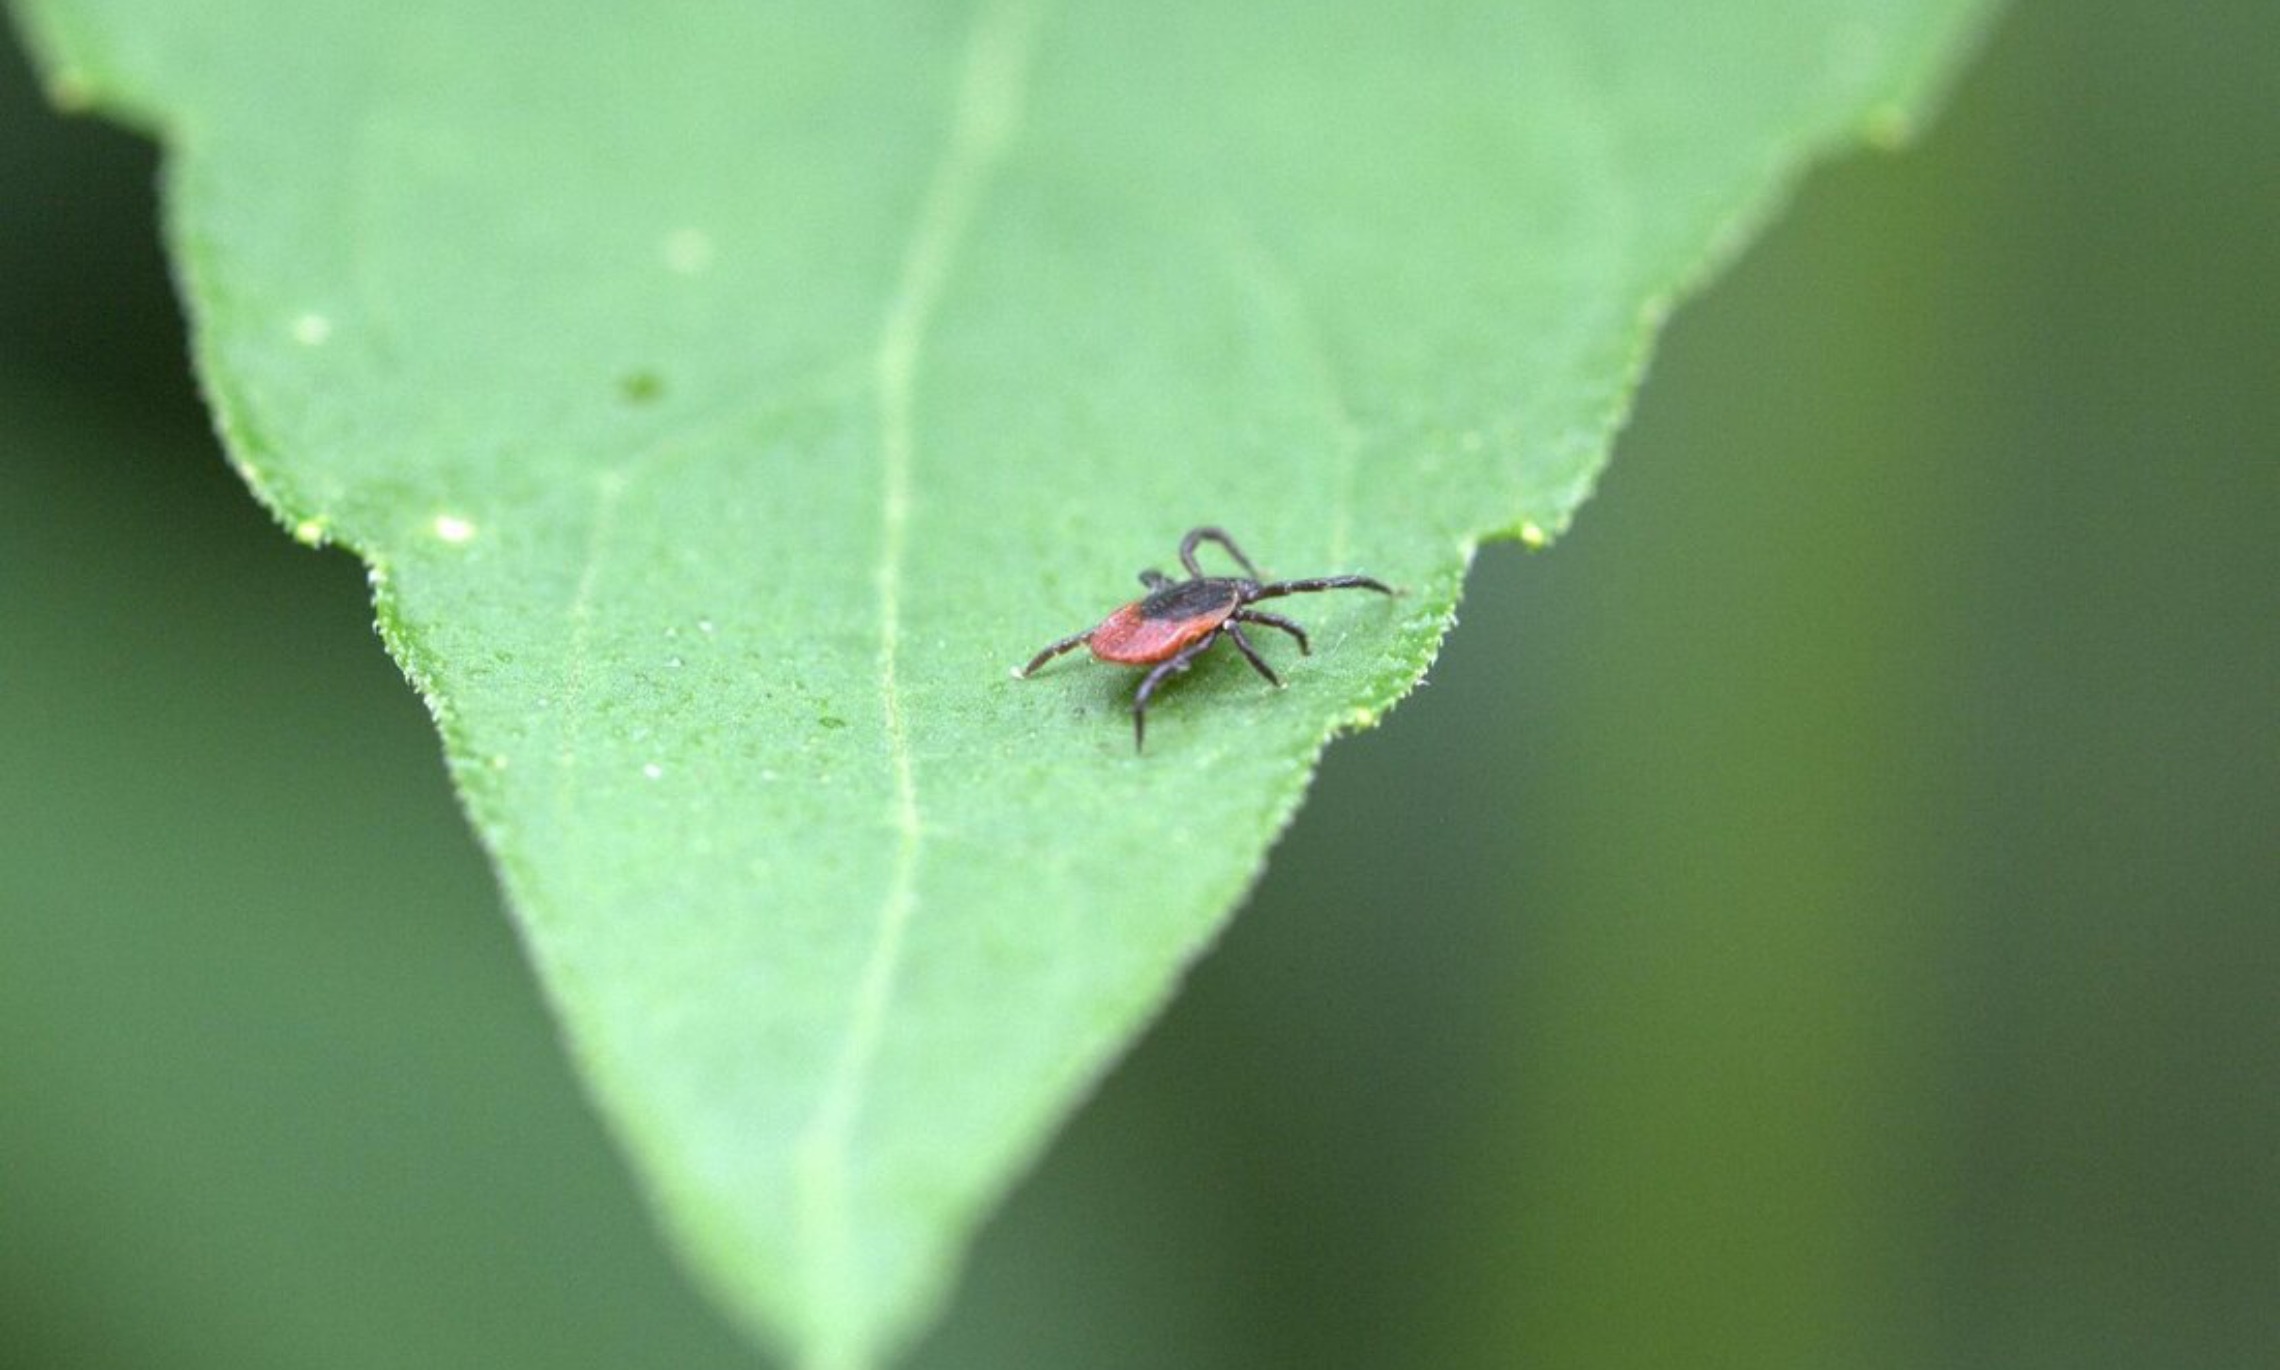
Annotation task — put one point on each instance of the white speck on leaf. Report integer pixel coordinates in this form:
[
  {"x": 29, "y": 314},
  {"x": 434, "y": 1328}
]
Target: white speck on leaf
[
  {"x": 312, "y": 330},
  {"x": 454, "y": 529},
  {"x": 688, "y": 251}
]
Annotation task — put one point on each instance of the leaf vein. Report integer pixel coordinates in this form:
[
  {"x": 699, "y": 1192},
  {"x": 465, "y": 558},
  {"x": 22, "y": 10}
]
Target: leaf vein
[{"x": 984, "y": 116}]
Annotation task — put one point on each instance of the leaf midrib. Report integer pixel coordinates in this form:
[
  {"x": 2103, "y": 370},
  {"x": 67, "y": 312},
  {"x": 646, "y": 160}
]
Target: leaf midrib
[{"x": 985, "y": 115}]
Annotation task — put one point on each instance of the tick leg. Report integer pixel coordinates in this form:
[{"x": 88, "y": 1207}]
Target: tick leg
[
  {"x": 1197, "y": 536},
  {"x": 1243, "y": 645},
  {"x": 1307, "y": 587},
  {"x": 1065, "y": 644},
  {"x": 1156, "y": 677},
  {"x": 1154, "y": 579},
  {"x": 1275, "y": 621}
]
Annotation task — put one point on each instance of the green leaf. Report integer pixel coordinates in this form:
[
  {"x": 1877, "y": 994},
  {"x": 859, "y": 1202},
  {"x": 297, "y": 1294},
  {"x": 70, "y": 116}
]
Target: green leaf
[{"x": 724, "y": 397}]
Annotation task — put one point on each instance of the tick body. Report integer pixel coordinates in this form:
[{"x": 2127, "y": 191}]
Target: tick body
[{"x": 1178, "y": 620}]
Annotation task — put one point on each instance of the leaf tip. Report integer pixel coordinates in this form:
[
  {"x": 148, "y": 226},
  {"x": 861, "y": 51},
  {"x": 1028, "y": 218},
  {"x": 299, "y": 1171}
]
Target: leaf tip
[{"x": 70, "y": 90}]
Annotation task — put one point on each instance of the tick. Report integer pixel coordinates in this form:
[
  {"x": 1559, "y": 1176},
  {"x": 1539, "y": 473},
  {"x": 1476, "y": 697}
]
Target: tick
[{"x": 1178, "y": 620}]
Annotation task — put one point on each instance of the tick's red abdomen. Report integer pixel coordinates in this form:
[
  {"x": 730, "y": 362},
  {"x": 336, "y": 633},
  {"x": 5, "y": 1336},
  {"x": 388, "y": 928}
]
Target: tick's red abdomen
[{"x": 1150, "y": 630}]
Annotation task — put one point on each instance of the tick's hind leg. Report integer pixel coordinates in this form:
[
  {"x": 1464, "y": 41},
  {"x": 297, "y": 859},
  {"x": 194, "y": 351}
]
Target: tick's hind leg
[
  {"x": 1154, "y": 579},
  {"x": 1168, "y": 668},
  {"x": 1314, "y": 583},
  {"x": 1197, "y": 536},
  {"x": 1275, "y": 621},
  {"x": 1065, "y": 644},
  {"x": 1251, "y": 653}
]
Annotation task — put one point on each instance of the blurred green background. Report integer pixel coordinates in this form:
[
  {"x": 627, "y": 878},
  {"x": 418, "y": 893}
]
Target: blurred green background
[{"x": 1825, "y": 914}]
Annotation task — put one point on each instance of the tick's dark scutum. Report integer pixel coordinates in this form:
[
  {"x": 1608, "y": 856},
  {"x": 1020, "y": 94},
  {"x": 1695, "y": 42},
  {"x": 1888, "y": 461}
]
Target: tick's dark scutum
[{"x": 1191, "y": 599}]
